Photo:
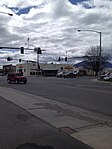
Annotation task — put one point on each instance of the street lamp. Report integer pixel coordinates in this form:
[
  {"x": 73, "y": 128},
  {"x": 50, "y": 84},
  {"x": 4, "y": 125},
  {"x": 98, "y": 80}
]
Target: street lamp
[
  {"x": 10, "y": 14},
  {"x": 100, "y": 47}
]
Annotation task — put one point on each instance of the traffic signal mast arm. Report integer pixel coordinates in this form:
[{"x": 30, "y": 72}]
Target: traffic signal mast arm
[
  {"x": 38, "y": 50},
  {"x": 9, "y": 48},
  {"x": 10, "y": 59}
]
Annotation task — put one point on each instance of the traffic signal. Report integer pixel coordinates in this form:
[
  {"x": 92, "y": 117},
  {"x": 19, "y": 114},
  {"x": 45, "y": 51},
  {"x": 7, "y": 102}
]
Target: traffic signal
[
  {"x": 22, "y": 50},
  {"x": 59, "y": 59},
  {"x": 9, "y": 58},
  {"x": 65, "y": 58},
  {"x": 19, "y": 60},
  {"x": 38, "y": 67},
  {"x": 39, "y": 51}
]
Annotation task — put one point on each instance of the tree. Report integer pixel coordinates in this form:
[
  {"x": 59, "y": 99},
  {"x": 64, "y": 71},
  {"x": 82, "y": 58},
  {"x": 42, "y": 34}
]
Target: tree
[{"x": 92, "y": 58}]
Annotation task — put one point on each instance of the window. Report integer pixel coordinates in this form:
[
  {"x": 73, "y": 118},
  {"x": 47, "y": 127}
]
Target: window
[
  {"x": 61, "y": 68},
  {"x": 32, "y": 73}
]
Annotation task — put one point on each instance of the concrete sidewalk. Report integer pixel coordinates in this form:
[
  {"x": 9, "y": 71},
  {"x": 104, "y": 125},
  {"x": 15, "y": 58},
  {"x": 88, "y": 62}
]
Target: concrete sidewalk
[{"x": 91, "y": 128}]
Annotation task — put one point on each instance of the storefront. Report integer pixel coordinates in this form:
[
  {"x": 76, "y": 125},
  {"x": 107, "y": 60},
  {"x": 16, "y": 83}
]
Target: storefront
[{"x": 30, "y": 69}]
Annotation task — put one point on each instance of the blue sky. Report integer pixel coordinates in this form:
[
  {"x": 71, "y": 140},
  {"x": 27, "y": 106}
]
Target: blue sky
[
  {"x": 76, "y": 1},
  {"x": 22, "y": 10},
  {"x": 25, "y": 10},
  {"x": 52, "y": 25}
]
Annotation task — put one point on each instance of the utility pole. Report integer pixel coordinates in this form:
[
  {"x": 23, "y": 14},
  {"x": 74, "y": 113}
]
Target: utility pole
[{"x": 28, "y": 40}]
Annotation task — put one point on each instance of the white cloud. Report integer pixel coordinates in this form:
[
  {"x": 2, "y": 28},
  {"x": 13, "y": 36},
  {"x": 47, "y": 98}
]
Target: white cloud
[
  {"x": 99, "y": 3},
  {"x": 53, "y": 26},
  {"x": 21, "y": 3}
]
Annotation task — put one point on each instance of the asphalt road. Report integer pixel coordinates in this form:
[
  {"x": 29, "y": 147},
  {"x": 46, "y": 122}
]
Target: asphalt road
[{"x": 83, "y": 92}]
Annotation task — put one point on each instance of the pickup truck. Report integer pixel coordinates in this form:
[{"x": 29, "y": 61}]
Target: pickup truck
[{"x": 16, "y": 78}]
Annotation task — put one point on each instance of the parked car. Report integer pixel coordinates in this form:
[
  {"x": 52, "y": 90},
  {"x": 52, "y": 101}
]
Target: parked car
[
  {"x": 16, "y": 78},
  {"x": 105, "y": 75},
  {"x": 60, "y": 74},
  {"x": 108, "y": 78},
  {"x": 69, "y": 75},
  {"x": 1, "y": 74},
  {"x": 76, "y": 73}
]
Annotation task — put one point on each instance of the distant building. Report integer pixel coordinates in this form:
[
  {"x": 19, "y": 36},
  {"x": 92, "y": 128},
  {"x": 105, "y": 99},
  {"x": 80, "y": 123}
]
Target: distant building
[
  {"x": 9, "y": 69},
  {"x": 1, "y": 72},
  {"x": 107, "y": 67},
  {"x": 31, "y": 69},
  {"x": 84, "y": 70}
]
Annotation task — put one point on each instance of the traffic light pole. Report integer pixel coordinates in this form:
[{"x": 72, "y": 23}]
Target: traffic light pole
[
  {"x": 38, "y": 51},
  {"x": 38, "y": 64},
  {"x": 38, "y": 61}
]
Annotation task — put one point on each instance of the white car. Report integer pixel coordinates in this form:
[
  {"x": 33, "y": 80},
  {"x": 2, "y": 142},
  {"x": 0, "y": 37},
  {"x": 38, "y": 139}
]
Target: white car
[
  {"x": 60, "y": 74},
  {"x": 108, "y": 78},
  {"x": 105, "y": 75}
]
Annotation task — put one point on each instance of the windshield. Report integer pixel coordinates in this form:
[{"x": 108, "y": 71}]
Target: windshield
[{"x": 18, "y": 74}]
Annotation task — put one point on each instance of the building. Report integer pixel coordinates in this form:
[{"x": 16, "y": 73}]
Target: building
[
  {"x": 31, "y": 69},
  {"x": 84, "y": 70},
  {"x": 9, "y": 69},
  {"x": 1, "y": 72},
  {"x": 107, "y": 67}
]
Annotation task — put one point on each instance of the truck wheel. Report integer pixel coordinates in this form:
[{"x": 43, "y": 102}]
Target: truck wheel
[
  {"x": 25, "y": 82},
  {"x": 9, "y": 81},
  {"x": 110, "y": 79},
  {"x": 17, "y": 81}
]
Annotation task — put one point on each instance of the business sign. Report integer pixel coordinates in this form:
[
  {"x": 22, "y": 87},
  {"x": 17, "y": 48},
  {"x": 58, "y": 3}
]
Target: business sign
[
  {"x": 68, "y": 67},
  {"x": 20, "y": 66}
]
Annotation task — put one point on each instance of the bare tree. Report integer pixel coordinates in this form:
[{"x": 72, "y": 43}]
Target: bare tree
[{"x": 92, "y": 58}]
